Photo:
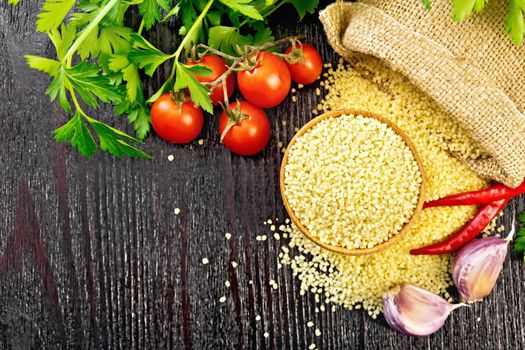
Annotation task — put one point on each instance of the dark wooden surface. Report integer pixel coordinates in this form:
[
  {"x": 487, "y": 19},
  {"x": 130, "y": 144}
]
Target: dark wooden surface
[{"x": 92, "y": 255}]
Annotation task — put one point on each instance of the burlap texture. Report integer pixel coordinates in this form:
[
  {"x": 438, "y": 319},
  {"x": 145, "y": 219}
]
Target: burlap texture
[{"x": 472, "y": 69}]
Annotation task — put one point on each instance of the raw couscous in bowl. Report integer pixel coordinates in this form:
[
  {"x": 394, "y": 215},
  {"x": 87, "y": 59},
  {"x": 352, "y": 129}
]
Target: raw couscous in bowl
[{"x": 352, "y": 182}]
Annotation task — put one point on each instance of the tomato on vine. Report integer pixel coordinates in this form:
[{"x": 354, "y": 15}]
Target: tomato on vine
[
  {"x": 176, "y": 120},
  {"x": 268, "y": 83},
  {"x": 218, "y": 67},
  {"x": 244, "y": 128},
  {"x": 307, "y": 70}
]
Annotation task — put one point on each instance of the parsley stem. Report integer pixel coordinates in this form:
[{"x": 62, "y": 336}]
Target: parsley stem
[
  {"x": 194, "y": 27},
  {"x": 141, "y": 27},
  {"x": 90, "y": 27},
  {"x": 76, "y": 104}
]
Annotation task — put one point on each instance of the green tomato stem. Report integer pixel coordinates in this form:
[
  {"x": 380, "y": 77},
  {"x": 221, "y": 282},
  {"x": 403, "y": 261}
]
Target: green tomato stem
[{"x": 85, "y": 33}]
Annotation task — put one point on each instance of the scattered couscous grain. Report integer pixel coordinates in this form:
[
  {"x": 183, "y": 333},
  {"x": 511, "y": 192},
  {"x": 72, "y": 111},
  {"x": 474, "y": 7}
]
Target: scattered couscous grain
[
  {"x": 205, "y": 261},
  {"x": 361, "y": 280},
  {"x": 222, "y": 299},
  {"x": 171, "y": 158},
  {"x": 294, "y": 98},
  {"x": 309, "y": 324},
  {"x": 234, "y": 264},
  {"x": 318, "y": 332},
  {"x": 227, "y": 284},
  {"x": 176, "y": 211},
  {"x": 258, "y": 318},
  {"x": 266, "y": 334},
  {"x": 227, "y": 235},
  {"x": 352, "y": 181},
  {"x": 200, "y": 142}
]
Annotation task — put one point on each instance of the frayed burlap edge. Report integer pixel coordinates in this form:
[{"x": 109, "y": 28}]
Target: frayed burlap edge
[{"x": 481, "y": 108}]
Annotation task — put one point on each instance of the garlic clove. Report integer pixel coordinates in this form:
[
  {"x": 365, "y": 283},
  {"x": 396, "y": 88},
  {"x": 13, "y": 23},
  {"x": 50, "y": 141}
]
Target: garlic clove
[
  {"x": 415, "y": 311},
  {"x": 476, "y": 267}
]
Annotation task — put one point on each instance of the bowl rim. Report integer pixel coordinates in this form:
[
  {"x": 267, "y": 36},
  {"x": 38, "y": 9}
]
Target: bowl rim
[{"x": 343, "y": 250}]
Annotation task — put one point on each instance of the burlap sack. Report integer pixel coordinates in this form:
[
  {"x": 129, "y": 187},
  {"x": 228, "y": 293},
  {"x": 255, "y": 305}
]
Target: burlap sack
[{"x": 472, "y": 69}]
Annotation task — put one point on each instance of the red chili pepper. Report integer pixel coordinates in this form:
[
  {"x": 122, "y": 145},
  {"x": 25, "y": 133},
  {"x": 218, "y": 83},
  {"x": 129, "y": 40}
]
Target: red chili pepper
[
  {"x": 487, "y": 196},
  {"x": 484, "y": 217}
]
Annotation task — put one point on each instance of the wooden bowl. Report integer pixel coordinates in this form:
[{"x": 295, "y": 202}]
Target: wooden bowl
[{"x": 342, "y": 250}]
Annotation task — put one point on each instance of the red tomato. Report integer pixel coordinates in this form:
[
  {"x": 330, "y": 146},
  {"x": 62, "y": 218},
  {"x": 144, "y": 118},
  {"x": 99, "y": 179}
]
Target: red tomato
[
  {"x": 218, "y": 66},
  {"x": 173, "y": 124},
  {"x": 251, "y": 135},
  {"x": 310, "y": 69},
  {"x": 267, "y": 84}
]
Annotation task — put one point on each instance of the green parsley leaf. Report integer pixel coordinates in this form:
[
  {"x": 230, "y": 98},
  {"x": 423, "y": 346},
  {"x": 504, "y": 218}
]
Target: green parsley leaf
[
  {"x": 78, "y": 134},
  {"x": 428, "y": 5},
  {"x": 62, "y": 39},
  {"x": 462, "y": 9},
  {"x": 118, "y": 62},
  {"x": 245, "y": 7},
  {"x": 139, "y": 117},
  {"x": 89, "y": 84},
  {"x": 13, "y": 2},
  {"x": 145, "y": 55},
  {"x": 150, "y": 11},
  {"x": 189, "y": 17},
  {"x": 515, "y": 24},
  {"x": 214, "y": 18},
  {"x": 519, "y": 240},
  {"x": 58, "y": 87},
  {"x": 262, "y": 36},
  {"x": 133, "y": 83},
  {"x": 116, "y": 142},
  {"x": 43, "y": 64},
  {"x": 521, "y": 218},
  {"x": 303, "y": 6},
  {"x": 185, "y": 79},
  {"x": 107, "y": 40},
  {"x": 53, "y": 14},
  {"x": 226, "y": 38}
]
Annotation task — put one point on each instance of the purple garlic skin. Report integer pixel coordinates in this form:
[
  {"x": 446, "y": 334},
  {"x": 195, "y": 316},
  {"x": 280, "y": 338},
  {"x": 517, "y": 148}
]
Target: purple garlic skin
[
  {"x": 415, "y": 311},
  {"x": 476, "y": 267}
]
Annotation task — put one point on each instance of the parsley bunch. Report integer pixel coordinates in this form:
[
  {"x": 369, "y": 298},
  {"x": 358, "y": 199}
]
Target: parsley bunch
[
  {"x": 514, "y": 26},
  {"x": 100, "y": 58}
]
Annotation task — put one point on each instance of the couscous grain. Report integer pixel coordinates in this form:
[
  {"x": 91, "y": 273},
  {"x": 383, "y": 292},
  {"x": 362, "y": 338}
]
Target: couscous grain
[
  {"x": 352, "y": 181},
  {"x": 361, "y": 280}
]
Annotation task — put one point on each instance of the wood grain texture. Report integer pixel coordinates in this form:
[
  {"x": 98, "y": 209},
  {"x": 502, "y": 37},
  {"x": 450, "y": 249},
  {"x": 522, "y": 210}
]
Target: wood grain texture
[{"x": 92, "y": 255}]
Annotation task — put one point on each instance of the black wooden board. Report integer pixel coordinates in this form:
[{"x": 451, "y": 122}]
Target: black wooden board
[{"x": 92, "y": 255}]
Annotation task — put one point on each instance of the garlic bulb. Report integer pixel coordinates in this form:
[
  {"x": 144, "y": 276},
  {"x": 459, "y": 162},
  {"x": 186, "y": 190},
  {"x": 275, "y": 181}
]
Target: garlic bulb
[
  {"x": 415, "y": 311},
  {"x": 477, "y": 265}
]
